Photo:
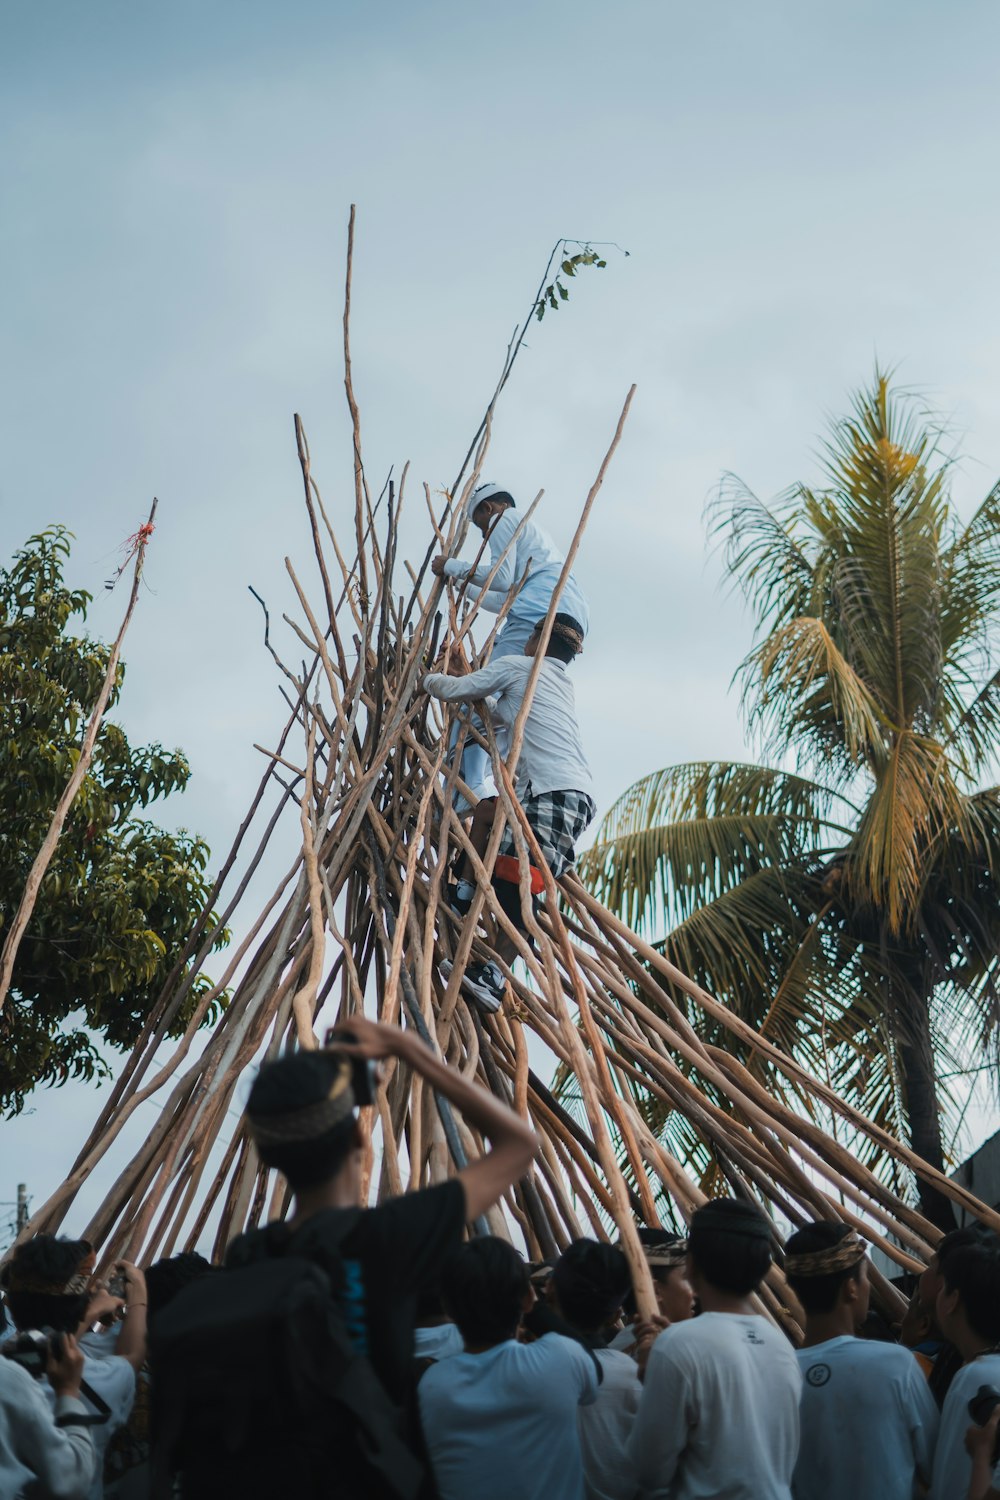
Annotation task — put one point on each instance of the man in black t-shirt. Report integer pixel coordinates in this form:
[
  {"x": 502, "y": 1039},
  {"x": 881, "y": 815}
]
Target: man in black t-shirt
[{"x": 302, "y": 1117}]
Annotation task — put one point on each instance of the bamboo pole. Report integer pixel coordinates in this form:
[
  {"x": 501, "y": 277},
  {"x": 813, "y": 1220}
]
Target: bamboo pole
[{"x": 43, "y": 858}]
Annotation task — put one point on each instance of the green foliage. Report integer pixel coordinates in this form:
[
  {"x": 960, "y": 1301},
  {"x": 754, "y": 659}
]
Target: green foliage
[
  {"x": 849, "y": 911},
  {"x": 120, "y": 896},
  {"x": 557, "y": 290}
]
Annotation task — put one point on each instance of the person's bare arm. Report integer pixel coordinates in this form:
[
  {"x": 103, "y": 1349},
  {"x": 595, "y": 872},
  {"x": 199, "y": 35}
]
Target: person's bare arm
[
  {"x": 131, "y": 1343},
  {"x": 514, "y": 1143}
]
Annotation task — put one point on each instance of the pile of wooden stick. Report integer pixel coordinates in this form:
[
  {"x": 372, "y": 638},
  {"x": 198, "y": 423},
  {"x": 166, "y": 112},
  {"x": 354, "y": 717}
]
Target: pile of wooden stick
[{"x": 359, "y": 922}]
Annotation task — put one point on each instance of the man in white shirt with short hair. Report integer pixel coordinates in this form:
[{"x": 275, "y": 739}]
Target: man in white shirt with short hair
[
  {"x": 589, "y": 1282},
  {"x": 869, "y": 1421},
  {"x": 500, "y": 1420},
  {"x": 719, "y": 1412}
]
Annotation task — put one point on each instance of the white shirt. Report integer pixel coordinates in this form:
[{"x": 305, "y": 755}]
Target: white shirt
[
  {"x": 113, "y": 1379},
  {"x": 439, "y": 1342},
  {"x": 54, "y": 1461},
  {"x": 502, "y": 1425},
  {"x": 533, "y": 546},
  {"x": 868, "y": 1421},
  {"x": 605, "y": 1427},
  {"x": 952, "y": 1465},
  {"x": 552, "y": 757},
  {"x": 719, "y": 1413}
]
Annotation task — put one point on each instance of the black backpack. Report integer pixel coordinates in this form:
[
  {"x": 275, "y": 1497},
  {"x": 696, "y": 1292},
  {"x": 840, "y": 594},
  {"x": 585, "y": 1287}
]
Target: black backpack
[{"x": 257, "y": 1390}]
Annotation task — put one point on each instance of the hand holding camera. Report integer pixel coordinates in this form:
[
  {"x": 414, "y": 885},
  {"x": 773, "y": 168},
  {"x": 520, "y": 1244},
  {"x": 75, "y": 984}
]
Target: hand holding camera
[
  {"x": 46, "y": 1352},
  {"x": 64, "y": 1366},
  {"x": 365, "y": 1043}
]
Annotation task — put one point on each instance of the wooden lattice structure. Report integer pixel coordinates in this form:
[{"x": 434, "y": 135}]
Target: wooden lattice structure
[{"x": 359, "y": 922}]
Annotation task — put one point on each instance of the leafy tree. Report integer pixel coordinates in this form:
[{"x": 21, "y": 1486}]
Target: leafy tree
[
  {"x": 845, "y": 899},
  {"x": 120, "y": 896}
]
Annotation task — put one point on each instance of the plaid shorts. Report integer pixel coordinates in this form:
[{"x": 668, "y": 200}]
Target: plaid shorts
[{"x": 557, "y": 820}]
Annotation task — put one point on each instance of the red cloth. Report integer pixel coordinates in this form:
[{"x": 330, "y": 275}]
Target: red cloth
[{"x": 508, "y": 868}]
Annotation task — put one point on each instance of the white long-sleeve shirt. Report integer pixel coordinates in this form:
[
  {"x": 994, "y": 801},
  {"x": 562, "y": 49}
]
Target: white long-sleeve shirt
[
  {"x": 55, "y": 1462},
  {"x": 532, "y": 545},
  {"x": 552, "y": 757}
]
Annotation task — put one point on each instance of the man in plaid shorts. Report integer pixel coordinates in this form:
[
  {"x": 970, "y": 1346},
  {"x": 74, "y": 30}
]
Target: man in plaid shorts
[{"x": 553, "y": 781}]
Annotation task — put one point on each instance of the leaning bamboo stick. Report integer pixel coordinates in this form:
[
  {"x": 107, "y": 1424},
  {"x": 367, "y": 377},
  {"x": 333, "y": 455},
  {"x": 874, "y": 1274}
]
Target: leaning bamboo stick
[{"x": 42, "y": 860}]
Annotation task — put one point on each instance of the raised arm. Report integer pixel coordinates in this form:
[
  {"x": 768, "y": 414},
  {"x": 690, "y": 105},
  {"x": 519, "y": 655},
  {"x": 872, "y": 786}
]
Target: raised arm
[
  {"x": 132, "y": 1339},
  {"x": 500, "y": 535},
  {"x": 514, "y": 1143},
  {"x": 471, "y": 687}
]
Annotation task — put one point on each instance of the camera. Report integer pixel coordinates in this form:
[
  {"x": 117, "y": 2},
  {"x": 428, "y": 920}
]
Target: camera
[
  {"x": 366, "y": 1074},
  {"x": 983, "y": 1404},
  {"x": 31, "y": 1349}
]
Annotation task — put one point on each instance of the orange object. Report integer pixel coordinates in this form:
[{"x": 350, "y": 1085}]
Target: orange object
[{"x": 508, "y": 868}]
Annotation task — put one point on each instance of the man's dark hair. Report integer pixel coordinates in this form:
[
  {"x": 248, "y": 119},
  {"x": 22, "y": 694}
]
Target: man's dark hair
[
  {"x": 960, "y": 1239},
  {"x": 41, "y": 1262},
  {"x": 484, "y": 1285},
  {"x": 818, "y": 1294},
  {"x": 974, "y": 1272},
  {"x": 591, "y": 1280},
  {"x": 165, "y": 1278},
  {"x": 559, "y": 647},
  {"x": 288, "y": 1085},
  {"x": 730, "y": 1245}
]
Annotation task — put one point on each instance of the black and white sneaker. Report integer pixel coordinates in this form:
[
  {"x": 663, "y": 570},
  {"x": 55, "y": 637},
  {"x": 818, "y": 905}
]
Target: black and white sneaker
[
  {"x": 482, "y": 983},
  {"x": 458, "y": 900}
]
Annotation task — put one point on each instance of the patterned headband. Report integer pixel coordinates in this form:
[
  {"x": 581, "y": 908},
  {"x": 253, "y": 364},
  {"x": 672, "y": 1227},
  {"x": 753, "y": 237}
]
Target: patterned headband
[
  {"x": 846, "y": 1253},
  {"x": 666, "y": 1257},
  {"x": 565, "y": 633},
  {"x": 309, "y": 1122}
]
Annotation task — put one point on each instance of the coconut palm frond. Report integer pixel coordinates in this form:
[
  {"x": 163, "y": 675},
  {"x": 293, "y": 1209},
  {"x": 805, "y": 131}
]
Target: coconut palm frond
[
  {"x": 976, "y": 732},
  {"x": 914, "y": 803},
  {"x": 971, "y": 584},
  {"x": 890, "y": 480},
  {"x": 682, "y": 837},
  {"x": 771, "y": 567},
  {"x": 740, "y": 946},
  {"x": 806, "y": 690}
]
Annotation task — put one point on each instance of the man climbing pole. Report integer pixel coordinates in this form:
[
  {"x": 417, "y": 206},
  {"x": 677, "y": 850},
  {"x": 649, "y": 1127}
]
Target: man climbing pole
[
  {"x": 552, "y": 781},
  {"x": 532, "y": 552}
]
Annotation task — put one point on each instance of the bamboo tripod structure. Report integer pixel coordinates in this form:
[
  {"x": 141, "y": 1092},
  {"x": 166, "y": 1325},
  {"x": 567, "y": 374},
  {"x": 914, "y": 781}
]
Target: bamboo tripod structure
[{"x": 359, "y": 922}]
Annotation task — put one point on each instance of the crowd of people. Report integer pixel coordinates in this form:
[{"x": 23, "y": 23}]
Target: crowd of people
[{"x": 387, "y": 1352}]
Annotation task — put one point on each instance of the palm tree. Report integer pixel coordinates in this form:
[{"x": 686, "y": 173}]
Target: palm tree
[{"x": 846, "y": 901}]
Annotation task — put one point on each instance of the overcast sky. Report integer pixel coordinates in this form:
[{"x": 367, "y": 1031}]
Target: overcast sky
[{"x": 801, "y": 189}]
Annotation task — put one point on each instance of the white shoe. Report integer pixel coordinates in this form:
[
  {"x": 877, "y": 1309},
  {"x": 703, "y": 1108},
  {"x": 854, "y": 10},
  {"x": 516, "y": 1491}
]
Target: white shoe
[{"x": 482, "y": 983}]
